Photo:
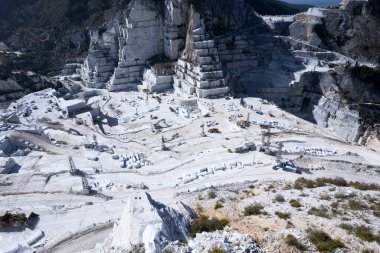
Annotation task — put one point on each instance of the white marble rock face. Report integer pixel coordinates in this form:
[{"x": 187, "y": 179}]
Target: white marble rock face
[
  {"x": 148, "y": 223},
  {"x": 145, "y": 34},
  {"x": 206, "y": 66}
]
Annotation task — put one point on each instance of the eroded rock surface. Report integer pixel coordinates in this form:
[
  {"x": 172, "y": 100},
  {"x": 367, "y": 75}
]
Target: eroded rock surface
[{"x": 145, "y": 225}]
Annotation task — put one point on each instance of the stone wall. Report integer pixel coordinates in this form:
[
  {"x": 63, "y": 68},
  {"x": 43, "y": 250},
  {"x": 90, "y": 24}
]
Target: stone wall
[
  {"x": 102, "y": 58},
  {"x": 199, "y": 71},
  {"x": 141, "y": 37}
]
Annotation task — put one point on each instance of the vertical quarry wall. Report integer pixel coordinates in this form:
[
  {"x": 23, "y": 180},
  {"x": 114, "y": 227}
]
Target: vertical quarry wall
[{"x": 212, "y": 48}]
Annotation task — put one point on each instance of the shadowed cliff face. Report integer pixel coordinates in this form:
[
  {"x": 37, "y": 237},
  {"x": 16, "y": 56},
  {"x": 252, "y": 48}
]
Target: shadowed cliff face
[
  {"x": 352, "y": 30},
  {"x": 54, "y": 31},
  {"x": 50, "y": 32}
]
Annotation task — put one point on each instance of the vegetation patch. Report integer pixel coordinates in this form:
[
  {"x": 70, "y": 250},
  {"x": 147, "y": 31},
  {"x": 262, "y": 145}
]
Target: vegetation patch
[
  {"x": 282, "y": 215},
  {"x": 302, "y": 182},
  {"x": 279, "y": 198},
  {"x": 368, "y": 251},
  {"x": 218, "y": 205},
  {"x": 321, "y": 211},
  {"x": 205, "y": 224},
  {"x": 322, "y": 241},
  {"x": 217, "y": 250},
  {"x": 356, "y": 204},
  {"x": 362, "y": 232},
  {"x": 325, "y": 197},
  {"x": 254, "y": 209},
  {"x": 347, "y": 227},
  {"x": 211, "y": 195},
  {"x": 291, "y": 240},
  {"x": 295, "y": 203},
  {"x": 376, "y": 209}
]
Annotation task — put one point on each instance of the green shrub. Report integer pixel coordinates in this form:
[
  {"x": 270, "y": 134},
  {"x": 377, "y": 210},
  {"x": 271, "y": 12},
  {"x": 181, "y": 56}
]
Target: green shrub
[
  {"x": 322, "y": 211},
  {"x": 335, "y": 205},
  {"x": 325, "y": 197},
  {"x": 338, "y": 181},
  {"x": 340, "y": 195},
  {"x": 217, "y": 250},
  {"x": 205, "y": 224},
  {"x": 295, "y": 203},
  {"x": 289, "y": 224},
  {"x": 319, "y": 182},
  {"x": 218, "y": 205},
  {"x": 354, "y": 184},
  {"x": 254, "y": 209},
  {"x": 322, "y": 241},
  {"x": 364, "y": 233},
  {"x": 282, "y": 215},
  {"x": 211, "y": 195},
  {"x": 376, "y": 209},
  {"x": 302, "y": 182},
  {"x": 347, "y": 227},
  {"x": 291, "y": 240},
  {"x": 199, "y": 208},
  {"x": 364, "y": 186},
  {"x": 356, "y": 205},
  {"x": 279, "y": 198},
  {"x": 368, "y": 251}
]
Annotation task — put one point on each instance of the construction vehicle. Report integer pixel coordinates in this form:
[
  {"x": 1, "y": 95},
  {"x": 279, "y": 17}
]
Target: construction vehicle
[
  {"x": 160, "y": 124},
  {"x": 287, "y": 166},
  {"x": 18, "y": 220},
  {"x": 242, "y": 123},
  {"x": 214, "y": 131}
]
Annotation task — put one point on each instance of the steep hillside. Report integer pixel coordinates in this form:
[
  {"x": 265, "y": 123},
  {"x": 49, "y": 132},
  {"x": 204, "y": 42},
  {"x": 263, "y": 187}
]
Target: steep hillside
[{"x": 51, "y": 32}]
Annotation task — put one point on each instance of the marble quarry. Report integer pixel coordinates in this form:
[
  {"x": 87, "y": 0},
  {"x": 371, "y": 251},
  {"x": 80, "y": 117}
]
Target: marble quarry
[{"x": 252, "y": 55}]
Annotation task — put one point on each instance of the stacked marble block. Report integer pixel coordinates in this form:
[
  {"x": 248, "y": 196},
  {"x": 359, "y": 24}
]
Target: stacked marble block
[
  {"x": 156, "y": 83},
  {"x": 140, "y": 39},
  {"x": 203, "y": 76},
  {"x": 101, "y": 60}
]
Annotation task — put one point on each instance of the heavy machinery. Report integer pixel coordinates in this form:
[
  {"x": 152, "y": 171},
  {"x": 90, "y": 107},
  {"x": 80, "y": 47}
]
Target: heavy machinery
[
  {"x": 287, "y": 166},
  {"x": 214, "y": 131},
  {"x": 242, "y": 123}
]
